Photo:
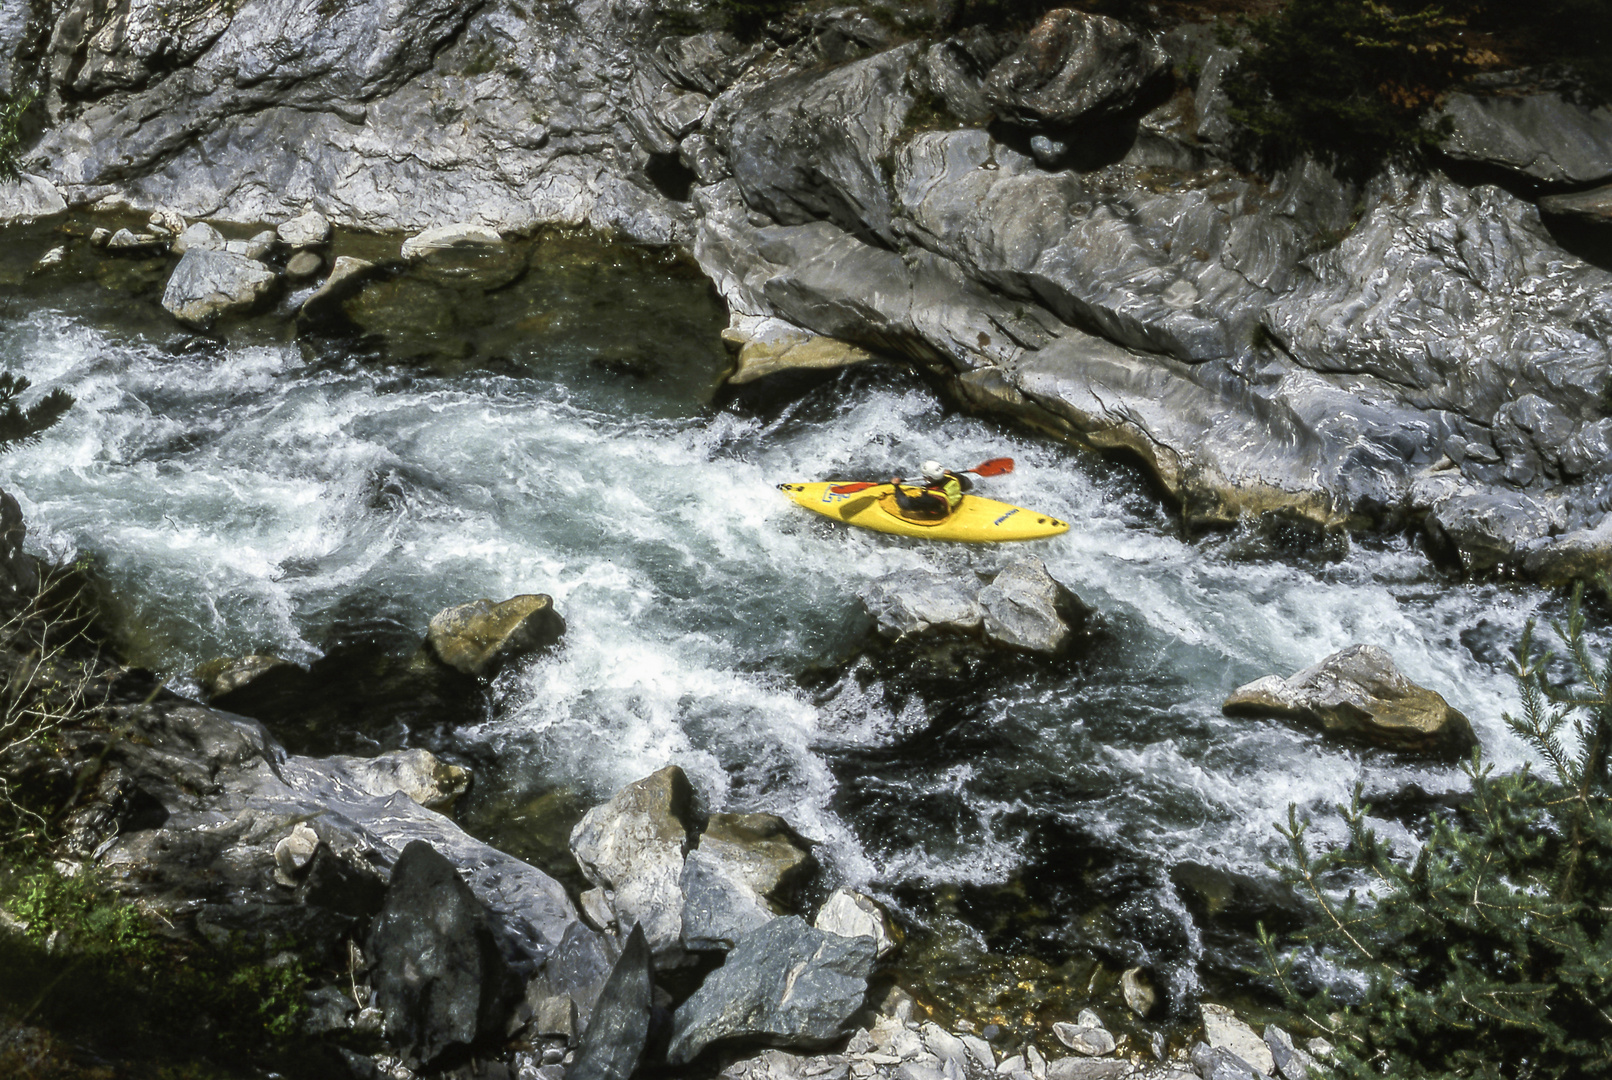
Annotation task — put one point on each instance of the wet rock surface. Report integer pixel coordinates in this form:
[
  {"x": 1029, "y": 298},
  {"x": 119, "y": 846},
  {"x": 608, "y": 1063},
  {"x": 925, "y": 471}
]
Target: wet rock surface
[
  {"x": 1022, "y": 608},
  {"x": 477, "y": 637},
  {"x": 1099, "y": 270},
  {"x": 1359, "y": 693}
]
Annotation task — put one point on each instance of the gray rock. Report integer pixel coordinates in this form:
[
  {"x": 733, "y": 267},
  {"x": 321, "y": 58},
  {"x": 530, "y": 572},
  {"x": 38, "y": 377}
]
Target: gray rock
[
  {"x": 619, "y": 1027},
  {"x": 634, "y": 844},
  {"x": 294, "y": 852},
  {"x": 28, "y": 198},
  {"x": 1093, "y": 1040},
  {"x": 595, "y": 905},
  {"x": 943, "y": 1044},
  {"x": 308, "y": 229},
  {"x": 437, "y": 972},
  {"x": 809, "y": 145},
  {"x": 166, "y": 223},
  {"x": 1049, "y": 153},
  {"x": 1358, "y": 692},
  {"x": 1139, "y": 994},
  {"x": 125, "y": 242},
  {"x": 447, "y": 237},
  {"x": 417, "y": 773},
  {"x": 682, "y": 113},
  {"x": 703, "y": 158},
  {"x": 1219, "y": 1063},
  {"x": 1591, "y": 207},
  {"x": 199, "y": 236},
  {"x": 479, "y": 637},
  {"x": 1081, "y": 1068},
  {"x": 1224, "y": 1030},
  {"x": 848, "y": 913},
  {"x": 981, "y": 1052},
  {"x": 347, "y": 275},
  {"x": 1541, "y": 135},
  {"x": 1291, "y": 1062},
  {"x": 912, "y": 602},
  {"x": 230, "y": 675},
  {"x": 207, "y": 285},
  {"x": 707, "y": 62},
  {"x": 1074, "y": 66},
  {"x": 1023, "y": 608},
  {"x": 304, "y": 264},
  {"x": 786, "y": 983},
  {"x": 957, "y": 69},
  {"x": 54, "y": 257},
  {"x": 719, "y": 907}
]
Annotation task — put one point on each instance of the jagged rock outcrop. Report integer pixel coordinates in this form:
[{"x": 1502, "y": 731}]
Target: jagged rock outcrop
[
  {"x": 1132, "y": 291},
  {"x": 1360, "y": 693}
]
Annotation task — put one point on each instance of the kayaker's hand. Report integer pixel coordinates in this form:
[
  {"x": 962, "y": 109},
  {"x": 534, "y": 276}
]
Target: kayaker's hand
[{"x": 895, "y": 481}]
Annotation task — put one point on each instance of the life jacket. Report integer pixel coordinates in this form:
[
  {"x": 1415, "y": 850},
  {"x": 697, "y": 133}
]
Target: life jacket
[{"x": 950, "y": 486}]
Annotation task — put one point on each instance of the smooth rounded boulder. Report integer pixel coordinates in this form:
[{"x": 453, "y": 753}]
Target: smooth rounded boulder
[
  {"x": 1360, "y": 693},
  {"x": 479, "y": 637}
]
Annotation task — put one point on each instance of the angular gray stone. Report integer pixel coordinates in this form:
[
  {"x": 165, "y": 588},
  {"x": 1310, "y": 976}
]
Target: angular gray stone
[
  {"x": 28, "y": 198},
  {"x": 682, "y": 113},
  {"x": 1084, "y": 1068},
  {"x": 810, "y": 145},
  {"x": 439, "y": 977},
  {"x": 1358, "y": 692},
  {"x": 1023, "y": 608},
  {"x": 785, "y": 983},
  {"x": 1093, "y": 1040},
  {"x": 1539, "y": 134},
  {"x": 619, "y": 1026},
  {"x": 1224, "y": 1030},
  {"x": 347, "y": 276},
  {"x": 719, "y": 907},
  {"x": 708, "y": 62},
  {"x": 763, "y": 851},
  {"x": 1291, "y": 1062},
  {"x": 848, "y": 913},
  {"x": 209, "y": 284},
  {"x": 200, "y": 236},
  {"x": 308, "y": 229},
  {"x": 125, "y": 242},
  {"x": 447, "y": 237},
  {"x": 1074, "y": 66},
  {"x": 1592, "y": 207},
  {"x": 634, "y": 844},
  {"x": 910, "y": 602},
  {"x": 1219, "y": 1063}
]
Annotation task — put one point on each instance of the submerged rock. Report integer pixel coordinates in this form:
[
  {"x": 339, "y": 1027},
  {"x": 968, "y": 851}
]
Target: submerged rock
[
  {"x": 209, "y": 284},
  {"x": 1359, "y": 692},
  {"x": 438, "y": 975},
  {"x": 634, "y": 845},
  {"x": 478, "y": 637},
  {"x": 227, "y": 676},
  {"x": 1074, "y": 66},
  {"x": 785, "y": 984}
]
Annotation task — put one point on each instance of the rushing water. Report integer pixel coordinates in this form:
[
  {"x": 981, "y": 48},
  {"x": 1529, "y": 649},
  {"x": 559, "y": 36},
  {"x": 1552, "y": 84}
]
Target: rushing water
[{"x": 256, "y": 495}]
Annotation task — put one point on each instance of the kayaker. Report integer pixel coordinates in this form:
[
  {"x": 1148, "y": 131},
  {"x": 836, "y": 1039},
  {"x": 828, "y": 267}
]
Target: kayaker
[{"x": 940, "y": 495}]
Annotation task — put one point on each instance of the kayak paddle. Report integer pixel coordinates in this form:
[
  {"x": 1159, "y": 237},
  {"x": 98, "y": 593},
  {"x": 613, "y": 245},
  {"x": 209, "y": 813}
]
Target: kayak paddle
[{"x": 993, "y": 467}]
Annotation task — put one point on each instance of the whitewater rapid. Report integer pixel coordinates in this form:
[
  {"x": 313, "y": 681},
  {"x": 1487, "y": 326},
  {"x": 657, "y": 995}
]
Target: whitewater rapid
[{"x": 249, "y": 497}]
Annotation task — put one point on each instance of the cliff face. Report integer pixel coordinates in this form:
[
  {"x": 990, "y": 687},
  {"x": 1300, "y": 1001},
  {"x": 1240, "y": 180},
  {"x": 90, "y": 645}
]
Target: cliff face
[{"x": 1055, "y": 221}]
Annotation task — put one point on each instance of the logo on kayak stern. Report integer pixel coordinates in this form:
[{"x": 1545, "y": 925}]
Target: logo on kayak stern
[
  {"x": 1005, "y": 516},
  {"x": 834, "y": 497}
]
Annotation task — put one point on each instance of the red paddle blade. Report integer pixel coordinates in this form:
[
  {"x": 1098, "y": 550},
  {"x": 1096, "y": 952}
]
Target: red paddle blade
[
  {"x": 851, "y": 489},
  {"x": 994, "y": 467}
]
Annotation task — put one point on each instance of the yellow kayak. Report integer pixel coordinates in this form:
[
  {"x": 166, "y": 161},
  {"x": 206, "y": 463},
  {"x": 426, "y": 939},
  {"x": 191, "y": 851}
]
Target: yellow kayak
[{"x": 975, "y": 521}]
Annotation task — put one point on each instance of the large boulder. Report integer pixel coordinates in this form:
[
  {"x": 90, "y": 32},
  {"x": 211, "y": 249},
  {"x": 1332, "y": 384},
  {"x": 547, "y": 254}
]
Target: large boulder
[
  {"x": 1223, "y": 1029},
  {"x": 719, "y": 906},
  {"x": 209, "y": 284},
  {"x": 785, "y": 984},
  {"x": 438, "y": 975},
  {"x": 477, "y": 638},
  {"x": 619, "y": 1027},
  {"x": 746, "y": 871},
  {"x": 910, "y": 602},
  {"x": 1359, "y": 692},
  {"x": 1539, "y": 134},
  {"x": 634, "y": 845},
  {"x": 1074, "y": 66},
  {"x": 1025, "y": 608},
  {"x": 28, "y": 197}
]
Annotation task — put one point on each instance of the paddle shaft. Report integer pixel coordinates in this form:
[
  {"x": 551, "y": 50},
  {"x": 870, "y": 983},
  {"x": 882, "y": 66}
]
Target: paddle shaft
[{"x": 993, "y": 467}]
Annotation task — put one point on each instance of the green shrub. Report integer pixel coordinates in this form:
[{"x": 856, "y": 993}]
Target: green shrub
[
  {"x": 1490, "y": 954},
  {"x": 11, "y": 114},
  {"x": 1346, "y": 80}
]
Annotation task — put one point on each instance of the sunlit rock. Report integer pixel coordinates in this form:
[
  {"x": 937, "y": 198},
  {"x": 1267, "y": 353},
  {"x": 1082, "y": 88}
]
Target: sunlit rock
[
  {"x": 477, "y": 637},
  {"x": 1359, "y": 692}
]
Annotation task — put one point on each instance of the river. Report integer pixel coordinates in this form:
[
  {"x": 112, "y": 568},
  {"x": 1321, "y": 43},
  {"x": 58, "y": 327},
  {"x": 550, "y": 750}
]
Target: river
[{"x": 255, "y": 493}]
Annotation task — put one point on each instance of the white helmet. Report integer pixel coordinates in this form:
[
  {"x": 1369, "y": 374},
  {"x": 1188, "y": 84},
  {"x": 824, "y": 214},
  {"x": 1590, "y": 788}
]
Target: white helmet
[{"x": 933, "y": 471}]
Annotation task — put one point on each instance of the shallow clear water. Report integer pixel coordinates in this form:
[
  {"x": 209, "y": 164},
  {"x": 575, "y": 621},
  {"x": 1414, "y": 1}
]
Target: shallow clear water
[{"x": 256, "y": 495}]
